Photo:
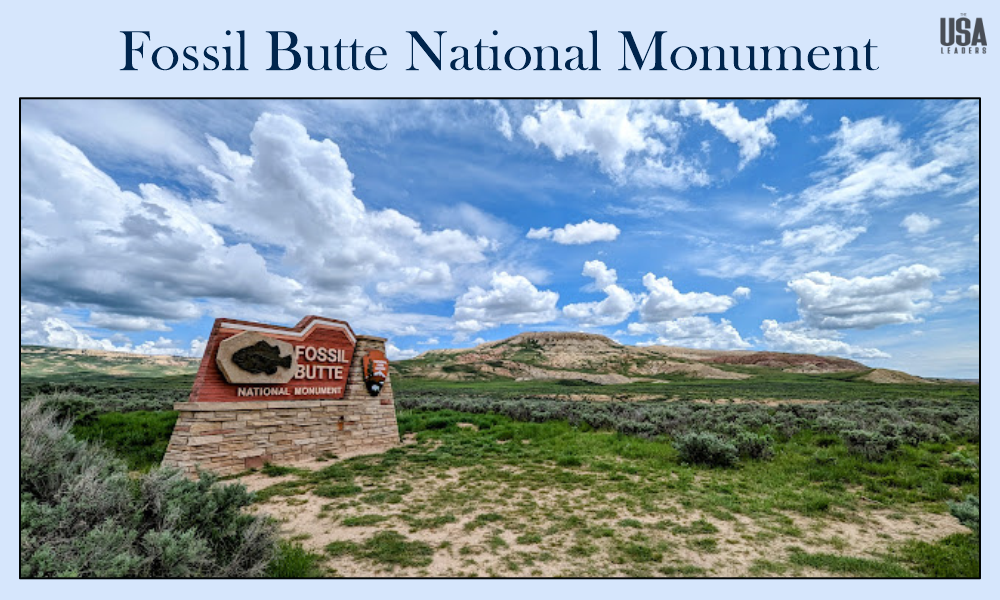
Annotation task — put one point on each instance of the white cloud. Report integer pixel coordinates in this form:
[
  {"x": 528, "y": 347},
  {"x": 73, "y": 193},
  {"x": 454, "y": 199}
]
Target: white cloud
[
  {"x": 969, "y": 293},
  {"x": 631, "y": 140},
  {"x": 741, "y": 292},
  {"x": 871, "y": 163},
  {"x": 610, "y": 129},
  {"x": 826, "y": 239},
  {"x": 752, "y": 137},
  {"x": 691, "y": 332},
  {"x": 919, "y": 223},
  {"x": 511, "y": 299},
  {"x": 587, "y": 232},
  {"x": 395, "y": 353},
  {"x": 297, "y": 192},
  {"x": 795, "y": 337},
  {"x": 664, "y": 302},
  {"x": 46, "y": 326},
  {"x": 601, "y": 274},
  {"x": 827, "y": 301},
  {"x": 615, "y": 308},
  {"x": 678, "y": 174},
  {"x": 501, "y": 119},
  {"x": 87, "y": 242}
]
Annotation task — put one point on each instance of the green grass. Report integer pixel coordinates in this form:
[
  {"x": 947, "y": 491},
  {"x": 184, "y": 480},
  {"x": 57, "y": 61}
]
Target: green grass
[
  {"x": 364, "y": 520},
  {"x": 293, "y": 561},
  {"x": 387, "y": 548},
  {"x": 954, "y": 556},
  {"x": 140, "y": 437},
  {"x": 848, "y": 565}
]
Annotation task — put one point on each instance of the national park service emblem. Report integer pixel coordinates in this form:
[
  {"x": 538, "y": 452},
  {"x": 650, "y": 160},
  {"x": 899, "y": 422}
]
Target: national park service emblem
[
  {"x": 375, "y": 367},
  {"x": 250, "y": 357}
]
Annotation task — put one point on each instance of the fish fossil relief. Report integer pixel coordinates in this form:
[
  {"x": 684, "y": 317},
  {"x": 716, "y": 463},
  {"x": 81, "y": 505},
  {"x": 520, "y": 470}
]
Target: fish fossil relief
[{"x": 261, "y": 358}]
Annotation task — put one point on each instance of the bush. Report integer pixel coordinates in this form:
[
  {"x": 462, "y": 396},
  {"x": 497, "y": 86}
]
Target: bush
[
  {"x": 871, "y": 445},
  {"x": 706, "y": 449},
  {"x": 967, "y": 512},
  {"x": 82, "y": 515},
  {"x": 754, "y": 446}
]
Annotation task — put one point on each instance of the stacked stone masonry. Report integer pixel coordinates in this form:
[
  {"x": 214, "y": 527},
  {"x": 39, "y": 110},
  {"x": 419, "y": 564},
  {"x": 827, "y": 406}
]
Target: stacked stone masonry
[{"x": 230, "y": 437}]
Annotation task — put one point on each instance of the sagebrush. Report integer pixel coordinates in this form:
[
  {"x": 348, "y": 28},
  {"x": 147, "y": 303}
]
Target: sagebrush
[{"x": 83, "y": 515}]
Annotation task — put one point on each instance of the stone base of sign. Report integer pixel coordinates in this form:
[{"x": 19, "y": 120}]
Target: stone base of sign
[{"x": 230, "y": 437}]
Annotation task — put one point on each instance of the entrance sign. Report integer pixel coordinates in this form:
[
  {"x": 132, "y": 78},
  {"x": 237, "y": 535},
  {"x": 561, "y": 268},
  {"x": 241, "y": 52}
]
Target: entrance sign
[{"x": 266, "y": 393}]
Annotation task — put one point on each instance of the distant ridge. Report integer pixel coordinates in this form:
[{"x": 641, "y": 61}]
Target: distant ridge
[{"x": 598, "y": 359}]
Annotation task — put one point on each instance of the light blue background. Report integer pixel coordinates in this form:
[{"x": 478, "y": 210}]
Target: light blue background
[{"x": 75, "y": 49}]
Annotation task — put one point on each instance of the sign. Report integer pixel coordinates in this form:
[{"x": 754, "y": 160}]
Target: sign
[
  {"x": 375, "y": 367},
  {"x": 247, "y": 361}
]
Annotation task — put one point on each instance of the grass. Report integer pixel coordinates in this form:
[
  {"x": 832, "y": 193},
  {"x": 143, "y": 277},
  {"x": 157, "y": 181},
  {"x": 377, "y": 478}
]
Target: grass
[
  {"x": 293, "y": 561},
  {"x": 364, "y": 520},
  {"x": 140, "y": 437},
  {"x": 848, "y": 566},
  {"x": 387, "y": 548}
]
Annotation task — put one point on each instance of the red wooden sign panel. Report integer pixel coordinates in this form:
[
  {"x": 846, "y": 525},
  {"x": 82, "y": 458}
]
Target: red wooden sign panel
[{"x": 310, "y": 361}]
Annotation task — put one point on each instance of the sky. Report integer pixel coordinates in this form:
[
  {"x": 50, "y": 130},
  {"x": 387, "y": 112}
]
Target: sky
[{"x": 836, "y": 227}]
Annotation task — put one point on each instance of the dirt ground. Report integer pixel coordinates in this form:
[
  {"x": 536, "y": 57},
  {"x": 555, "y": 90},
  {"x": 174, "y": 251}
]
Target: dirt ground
[{"x": 582, "y": 537}]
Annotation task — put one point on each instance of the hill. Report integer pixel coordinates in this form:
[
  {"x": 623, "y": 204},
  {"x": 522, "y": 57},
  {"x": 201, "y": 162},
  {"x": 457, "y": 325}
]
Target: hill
[
  {"x": 43, "y": 362},
  {"x": 597, "y": 359}
]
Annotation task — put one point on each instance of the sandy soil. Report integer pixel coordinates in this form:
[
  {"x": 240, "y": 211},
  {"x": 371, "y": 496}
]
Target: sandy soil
[{"x": 493, "y": 549}]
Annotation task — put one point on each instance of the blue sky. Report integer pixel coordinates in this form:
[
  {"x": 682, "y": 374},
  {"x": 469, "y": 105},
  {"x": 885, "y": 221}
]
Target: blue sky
[{"x": 837, "y": 227}]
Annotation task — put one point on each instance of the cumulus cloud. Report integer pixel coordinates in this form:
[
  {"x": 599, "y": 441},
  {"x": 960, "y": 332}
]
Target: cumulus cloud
[
  {"x": 752, "y": 137},
  {"x": 395, "y": 353},
  {"x": 827, "y": 301},
  {"x": 741, "y": 292},
  {"x": 297, "y": 193},
  {"x": 615, "y": 308},
  {"x": 631, "y": 140},
  {"x": 511, "y": 299},
  {"x": 610, "y": 129},
  {"x": 918, "y": 223},
  {"x": 85, "y": 241},
  {"x": 826, "y": 239},
  {"x": 664, "y": 302},
  {"x": 587, "y": 232},
  {"x": 691, "y": 332},
  {"x": 795, "y": 337}
]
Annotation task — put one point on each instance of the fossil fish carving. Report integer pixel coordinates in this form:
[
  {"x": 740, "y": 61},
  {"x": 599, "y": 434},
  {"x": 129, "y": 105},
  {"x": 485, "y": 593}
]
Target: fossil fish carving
[{"x": 261, "y": 358}]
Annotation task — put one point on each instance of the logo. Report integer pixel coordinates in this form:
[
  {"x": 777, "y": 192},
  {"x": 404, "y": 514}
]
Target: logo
[
  {"x": 962, "y": 36},
  {"x": 375, "y": 367},
  {"x": 250, "y": 357}
]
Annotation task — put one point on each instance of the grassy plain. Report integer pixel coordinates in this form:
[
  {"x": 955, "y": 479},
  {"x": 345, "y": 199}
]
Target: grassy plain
[{"x": 504, "y": 478}]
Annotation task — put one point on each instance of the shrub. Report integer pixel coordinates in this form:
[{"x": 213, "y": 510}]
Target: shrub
[
  {"x": 754, "y": 446},
  {"x": 871, "y": 445},
  {"x": 82, "y": 515},
  {"x": 706, "y": 449},
  {"x": 967, "y": 512}
]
